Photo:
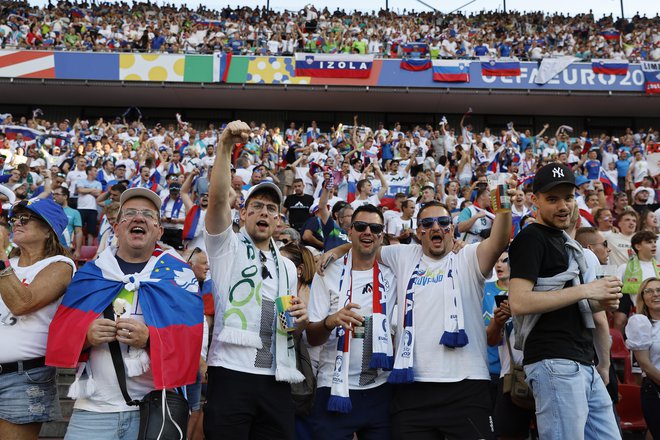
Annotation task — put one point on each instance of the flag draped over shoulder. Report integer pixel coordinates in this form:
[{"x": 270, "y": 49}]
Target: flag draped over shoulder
[{"x": 171, "y": 305}]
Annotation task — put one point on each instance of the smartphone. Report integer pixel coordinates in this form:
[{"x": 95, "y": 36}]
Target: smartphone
[{"x": 499, "y": 299}]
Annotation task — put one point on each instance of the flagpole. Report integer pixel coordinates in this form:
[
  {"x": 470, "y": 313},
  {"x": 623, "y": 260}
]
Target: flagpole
[{"x": 622, "y": 10}]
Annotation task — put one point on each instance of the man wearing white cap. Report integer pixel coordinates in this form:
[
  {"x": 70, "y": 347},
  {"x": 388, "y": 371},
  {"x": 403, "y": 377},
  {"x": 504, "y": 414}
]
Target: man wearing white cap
[{"x": 248, "y": 359}]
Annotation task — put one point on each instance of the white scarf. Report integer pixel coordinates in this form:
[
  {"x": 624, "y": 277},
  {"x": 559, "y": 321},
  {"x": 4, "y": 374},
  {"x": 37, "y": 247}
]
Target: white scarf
[
  {"x": 381, "y": 342},
  {"x": 454, "y": 335},
  {"x": 242, "y": 327}
]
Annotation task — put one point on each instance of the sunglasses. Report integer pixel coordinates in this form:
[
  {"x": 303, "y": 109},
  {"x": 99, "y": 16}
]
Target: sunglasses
[
  {"x": 265, "y": 273},
  {"x": 192, "y": 254},
  {"x": 22, "y": 219},
  {"x": 444, "y": 221},
  {"x": 285, "y": 241},
  {"x": 376, "y": 228}
]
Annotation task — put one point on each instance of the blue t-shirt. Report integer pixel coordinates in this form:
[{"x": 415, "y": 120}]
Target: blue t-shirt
[
  {"x": 593, "y": 169},
  {"x": 333, "y": 235},
  {"x": 491, "y": 289},
  {"x": 622, "y": 166}
]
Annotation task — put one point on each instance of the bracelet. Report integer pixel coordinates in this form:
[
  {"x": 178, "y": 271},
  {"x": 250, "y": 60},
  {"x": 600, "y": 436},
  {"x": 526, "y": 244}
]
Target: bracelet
[{"x": 325, "y": 324}]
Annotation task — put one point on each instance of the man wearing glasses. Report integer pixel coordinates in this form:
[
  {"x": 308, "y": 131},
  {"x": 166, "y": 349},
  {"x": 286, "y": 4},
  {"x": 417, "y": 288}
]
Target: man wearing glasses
[
  {"x": 441, "y": 360},
  {"x": 250, "y": 359},
  {"x": 351, "y": 310}
]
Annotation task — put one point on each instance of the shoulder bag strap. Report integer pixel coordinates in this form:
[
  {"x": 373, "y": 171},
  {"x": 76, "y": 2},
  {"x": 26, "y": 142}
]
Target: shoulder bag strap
[
  {"x": 508, "y": 345},
  {"x": 118, "y": 362}
]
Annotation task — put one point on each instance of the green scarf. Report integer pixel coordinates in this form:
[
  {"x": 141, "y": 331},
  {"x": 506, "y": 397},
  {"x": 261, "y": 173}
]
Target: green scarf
[{"x": 633, "y": 277}]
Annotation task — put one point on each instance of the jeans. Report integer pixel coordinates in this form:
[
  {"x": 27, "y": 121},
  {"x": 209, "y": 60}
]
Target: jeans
[
  {"x": 571, "y": 401},
  {"x": 87, "y": 425}
]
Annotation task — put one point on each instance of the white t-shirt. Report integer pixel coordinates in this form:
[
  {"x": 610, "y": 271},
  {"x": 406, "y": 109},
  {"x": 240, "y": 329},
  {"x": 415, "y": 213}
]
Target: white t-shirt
[
  {"x": 397, "y": 225},
  {"x": 325, "y": 300},
  {"x": 72, "y": 177},
  {"x": 433, "y": 362},
  {"x": 87, "y": 201},
  {"x": 619, "y": 244},
  {"x": 167, "y": 213},
  {"x": 30, "y": 330},
  {"x": 373, "y": 200},
  {"x": 222, "y": 250},
  {"x": 107, "y": 396}
]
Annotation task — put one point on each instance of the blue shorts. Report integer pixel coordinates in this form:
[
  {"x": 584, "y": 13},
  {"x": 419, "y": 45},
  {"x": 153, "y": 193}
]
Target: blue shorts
[
  {"x": 194, "y": 394},
  {"x": 29, "y": 396}
]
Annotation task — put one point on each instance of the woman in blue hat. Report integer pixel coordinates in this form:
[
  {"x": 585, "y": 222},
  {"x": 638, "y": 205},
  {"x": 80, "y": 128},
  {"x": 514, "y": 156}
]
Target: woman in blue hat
[{"x": 31, "y": 285}]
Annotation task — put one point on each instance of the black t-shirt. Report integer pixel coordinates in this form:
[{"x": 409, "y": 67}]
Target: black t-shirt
[
  {"x": 130, "y": 268},
  {"x": 298, "y": 207},
  {"x": 538, "y": 251}
]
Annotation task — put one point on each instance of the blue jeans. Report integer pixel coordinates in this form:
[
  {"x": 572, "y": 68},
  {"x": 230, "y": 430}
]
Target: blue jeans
[
  {"x": 571, "y": 401},
  {"x": 87, "y": 425}
]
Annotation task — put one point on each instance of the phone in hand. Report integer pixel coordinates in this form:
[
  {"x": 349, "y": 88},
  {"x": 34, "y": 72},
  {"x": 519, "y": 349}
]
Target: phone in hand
[{"x": 499, "y": 299}]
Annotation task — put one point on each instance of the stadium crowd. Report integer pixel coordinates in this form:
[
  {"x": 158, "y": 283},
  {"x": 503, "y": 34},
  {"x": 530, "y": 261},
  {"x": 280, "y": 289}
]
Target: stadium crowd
[
  {"x": 361, "y": 191},
  {"x": 149, "y": 27}
]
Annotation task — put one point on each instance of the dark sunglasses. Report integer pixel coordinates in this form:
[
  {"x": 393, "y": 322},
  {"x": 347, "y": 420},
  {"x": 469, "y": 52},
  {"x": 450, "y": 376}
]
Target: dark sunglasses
[
  {"x": 22, "y": 219},
  {"x": 376, "y": 228},
  {"x": 265, "y": 273},
  {"x": 443, "y": 221},
  {"x": 285, "y": 241}
]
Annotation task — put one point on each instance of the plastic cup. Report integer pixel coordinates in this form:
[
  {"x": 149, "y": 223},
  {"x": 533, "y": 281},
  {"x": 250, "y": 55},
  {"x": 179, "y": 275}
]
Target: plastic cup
[{"x": 285, "y": 321}]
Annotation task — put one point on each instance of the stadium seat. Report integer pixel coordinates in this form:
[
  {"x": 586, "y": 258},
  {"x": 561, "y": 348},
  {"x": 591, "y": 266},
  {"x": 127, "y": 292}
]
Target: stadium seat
[
  {"x": 87, "y": 253},
  {"x": 630, "y": 408},
  {"x": 621, "y": 358}
]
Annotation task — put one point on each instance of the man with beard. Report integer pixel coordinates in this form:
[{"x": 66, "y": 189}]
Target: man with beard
[
  {"x": 251, "y": 357},
  {"x": 441, "y": 360},
  {"x": 195, "y": 221},
  {"x": 351, "y": 310}
]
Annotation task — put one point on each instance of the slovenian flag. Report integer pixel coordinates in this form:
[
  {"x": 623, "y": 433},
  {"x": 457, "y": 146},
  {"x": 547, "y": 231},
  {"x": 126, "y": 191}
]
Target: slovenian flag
[
  {"x": 77, "y": 13},
  {"x": 611, "y": 34},
  {"x": 207, "y": 297},
  {"x": 208, "y": 23},
  {"x": 494, "y": 165},
  {"x": 609, "y": 186},
  {"x": 415, "y": 64},
  {"x": 451, "y": 71},
  {"x": 609, "y": 67},
  {"x": 11, "y": 131},
  {"x": 415, "y": 49},
  {"x": 352, "y": 190},
  {"x": 221, "y": 62},
  {"x": 171, "y": 305},
  {"x": 338, "y": 65},
  {"x": 500, "y": 67},
  {"x": 191, "y": 222}
]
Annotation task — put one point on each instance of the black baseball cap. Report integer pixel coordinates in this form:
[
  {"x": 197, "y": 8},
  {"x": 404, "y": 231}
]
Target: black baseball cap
[{"x": 552, "y": 175}]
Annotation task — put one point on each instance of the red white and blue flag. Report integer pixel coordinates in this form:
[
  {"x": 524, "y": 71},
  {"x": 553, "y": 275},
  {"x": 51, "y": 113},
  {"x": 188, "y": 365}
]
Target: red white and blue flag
[
  {"x": 500, "y": 67},
  {"x": 415, "y": 50},
  {"x": 415, "y": 64},
  {"x": 339, "y": 65},
  {"x": 651, "y": 77},
  {"x": 171, "y": 305},
  {"x": 608, "y": 185},
  {"x": 451, "y": 71},
  {"x": 221, "y": 63},
  {"x": 191, "y": 222},
  {"x": 609, "y": 67},
  {"x": 11, "y": 131},
  {"x": 610, "y": 34}
]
